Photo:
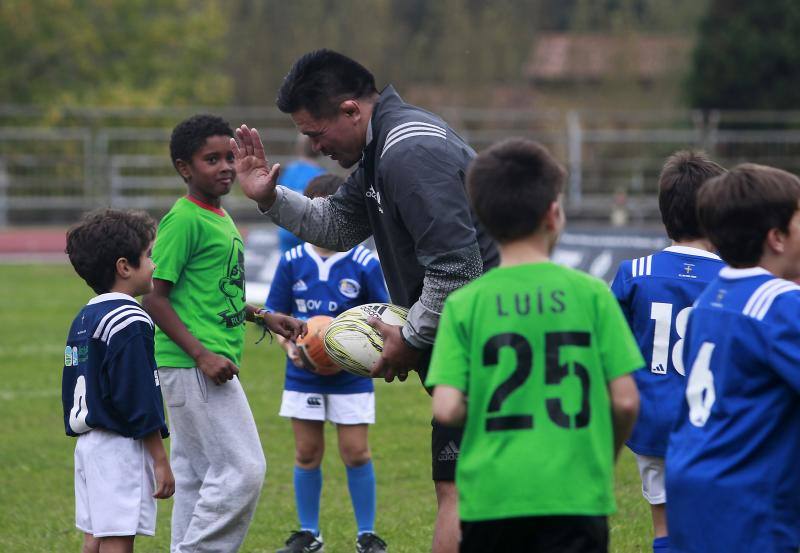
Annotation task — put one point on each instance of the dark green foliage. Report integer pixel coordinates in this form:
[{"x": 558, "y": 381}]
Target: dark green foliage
[{"x": 747, "y": 56}]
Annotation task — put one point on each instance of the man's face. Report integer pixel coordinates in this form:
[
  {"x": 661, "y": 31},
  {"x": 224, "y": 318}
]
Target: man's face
[{"x": 339, "y": 137}]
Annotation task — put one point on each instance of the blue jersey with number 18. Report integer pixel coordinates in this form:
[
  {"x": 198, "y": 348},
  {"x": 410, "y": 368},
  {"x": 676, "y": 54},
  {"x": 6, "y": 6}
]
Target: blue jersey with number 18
[
  {"x": 732, "y": 464},
  {"x": 656, "y": 293}
]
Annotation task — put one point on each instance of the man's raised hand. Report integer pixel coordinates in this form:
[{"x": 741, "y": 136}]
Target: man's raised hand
[{"x": 256, "y": 177}]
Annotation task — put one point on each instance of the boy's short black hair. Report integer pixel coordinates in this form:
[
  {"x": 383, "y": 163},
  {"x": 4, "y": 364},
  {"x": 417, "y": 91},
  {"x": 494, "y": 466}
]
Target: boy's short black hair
[
  {"x": 681, "y": 177},
  {"x": 190, "y": 135},
  {"x": 738, "y": 209},
  {"x": 321, "y": 80},
  {"x": 323, "y": 185},
  {"x": 103, "y": 236},
  {"x": 511, "y": 186}
]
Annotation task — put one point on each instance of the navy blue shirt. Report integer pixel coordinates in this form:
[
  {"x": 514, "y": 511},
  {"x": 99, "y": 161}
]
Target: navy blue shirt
[
  {"x": 733, "y": 484},
  {"x": 306, "y": 285},
  {"x": 656, "y": 294},
  {"x": 110, "y": 379}
]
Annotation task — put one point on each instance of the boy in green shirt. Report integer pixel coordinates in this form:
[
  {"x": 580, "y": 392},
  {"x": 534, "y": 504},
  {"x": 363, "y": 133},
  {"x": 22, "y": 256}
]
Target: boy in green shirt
[
  {"x": 543, "y": 355},
  {"x": 198, "y": 304}
]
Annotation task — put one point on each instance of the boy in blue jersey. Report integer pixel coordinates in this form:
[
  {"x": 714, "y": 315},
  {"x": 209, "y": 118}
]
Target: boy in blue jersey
[
  {"x": 296, "y": 176},
  {"x": 656, "y": 293},
  {"x": 310, "y": 281},
  {"x": 110, "y": 388},
  {"x": 732, "y": 477}
]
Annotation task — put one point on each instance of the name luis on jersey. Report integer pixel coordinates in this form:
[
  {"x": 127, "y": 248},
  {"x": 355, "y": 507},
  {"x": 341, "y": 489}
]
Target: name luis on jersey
[{"x": 521, "y": 304}]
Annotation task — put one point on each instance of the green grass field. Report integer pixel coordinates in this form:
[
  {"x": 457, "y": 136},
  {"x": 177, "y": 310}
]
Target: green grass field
[{"x": 36, "y": 498}]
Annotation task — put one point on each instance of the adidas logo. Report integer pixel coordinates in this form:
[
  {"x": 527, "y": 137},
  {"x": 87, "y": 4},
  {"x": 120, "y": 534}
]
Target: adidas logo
[
  {"x": 449, "y": 452},
  {"x": 299, "y": 286},
  {"x": 314, "y": 401}
]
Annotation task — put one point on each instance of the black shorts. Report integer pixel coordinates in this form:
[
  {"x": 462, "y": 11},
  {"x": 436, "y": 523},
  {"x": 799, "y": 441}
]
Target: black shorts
[
  {"x": 542, "y": 534},
  {"x": 445, "y": 440}
]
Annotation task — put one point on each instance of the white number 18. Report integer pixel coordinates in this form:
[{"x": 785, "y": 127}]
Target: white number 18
[{"x": 661, "y": 313}]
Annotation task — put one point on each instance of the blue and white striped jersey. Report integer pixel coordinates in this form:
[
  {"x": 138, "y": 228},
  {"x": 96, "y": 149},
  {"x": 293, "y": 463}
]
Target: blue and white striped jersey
[
  {"x": 306, "y": 285},
  {"x": 732, "y": 465},
  {"x": 656, "y": 293},
  {"x": 110, "y": 379}
]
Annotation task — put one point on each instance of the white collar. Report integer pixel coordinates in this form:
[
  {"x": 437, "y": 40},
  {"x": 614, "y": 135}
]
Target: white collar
[
  {"x": 323, "y": 265},
  {"x": 731, "y": 273},
  {"x": 111, "y": 296},
  {"x": 688, "y": 250}
]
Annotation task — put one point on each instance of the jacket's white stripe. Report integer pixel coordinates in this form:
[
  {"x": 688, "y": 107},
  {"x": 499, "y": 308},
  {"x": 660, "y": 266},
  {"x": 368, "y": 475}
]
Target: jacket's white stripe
[
  {"x": 649, "y": 264},
  {"x": 399, "y": 128},
  {"x": 123, "y": 315},
  {"x": 758, "y": 297},
  {"x": 787, "y": 287},
  {"x": 111, "y": 316},
  {"x": 367, "y": 260},
  {"x": 123, "y": 325},
  {"x": 634, "y": 267},
  {"x": 428, "y": 128},
  {"x": 362, "y": 255},
  {"x": 420, "y": 133}
]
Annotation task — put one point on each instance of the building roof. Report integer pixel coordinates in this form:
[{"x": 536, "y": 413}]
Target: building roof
[{"x": 595, "y": 57}]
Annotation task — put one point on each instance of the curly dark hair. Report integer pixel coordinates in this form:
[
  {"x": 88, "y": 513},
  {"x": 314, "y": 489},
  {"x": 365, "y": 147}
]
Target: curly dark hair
[
  {"x": 321, "y": 80},
  {"x": 103, "y": 236},
  {"x": 190, "y": 135}
]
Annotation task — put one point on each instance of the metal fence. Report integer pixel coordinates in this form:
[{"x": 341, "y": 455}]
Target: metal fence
[{"x": 54, "y": 165}]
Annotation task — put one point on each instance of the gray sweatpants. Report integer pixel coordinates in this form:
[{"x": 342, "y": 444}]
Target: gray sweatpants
[{"x": 217, "y": 460}]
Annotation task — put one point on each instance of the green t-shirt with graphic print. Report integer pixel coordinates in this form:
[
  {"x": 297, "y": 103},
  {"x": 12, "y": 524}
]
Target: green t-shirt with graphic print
[
  {"x": 200, "y": 251},
  {"x": 533, "y": 348}
]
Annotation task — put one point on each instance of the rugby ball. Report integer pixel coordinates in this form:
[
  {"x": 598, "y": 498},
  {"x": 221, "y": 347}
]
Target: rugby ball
[
  {"x": 354, "y": 345},
  {"x": 312, "y": 347}
]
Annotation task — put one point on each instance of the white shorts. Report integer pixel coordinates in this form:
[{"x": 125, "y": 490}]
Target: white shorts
[
  {"x": 114, "y": 486},
  {"x": 337, "y": 408},
  {"x": 651, "y": 470}
]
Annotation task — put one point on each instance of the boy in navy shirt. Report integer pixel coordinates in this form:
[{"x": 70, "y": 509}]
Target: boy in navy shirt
[
  {"x": 656, "y": 293},
  {"x": 732, "y": 477},
  {"x": 309, "y": 281},
  {"x": 110, "y": 388}
]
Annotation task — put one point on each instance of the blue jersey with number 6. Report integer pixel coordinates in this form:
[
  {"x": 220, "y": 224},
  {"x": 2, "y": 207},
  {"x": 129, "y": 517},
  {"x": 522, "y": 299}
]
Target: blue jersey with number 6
[
  {"x": 656, "y": 293},
  {"x": 733, "y": 480}
]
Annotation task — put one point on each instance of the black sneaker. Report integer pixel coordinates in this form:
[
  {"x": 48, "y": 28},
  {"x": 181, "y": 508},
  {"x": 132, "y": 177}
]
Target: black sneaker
[
  {"x": 370, "y": 543},
  {"x": 303, "y": 541}
]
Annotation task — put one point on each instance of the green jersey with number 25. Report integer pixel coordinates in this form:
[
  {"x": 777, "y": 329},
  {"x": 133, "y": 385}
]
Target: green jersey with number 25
[{"x": 533, "y": 347}]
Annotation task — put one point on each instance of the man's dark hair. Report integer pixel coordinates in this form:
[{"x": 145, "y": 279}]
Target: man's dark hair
[
  {"x": 681, "y": 177},
  {"x": 512, "y": 185},
  {"x": 738, "y": 209},
  {"x": 190, "y": 135},
  {"x": 321, "y": 80},
  {"x": 323, "y": 185},
  {"x": 102, "y": 237}
]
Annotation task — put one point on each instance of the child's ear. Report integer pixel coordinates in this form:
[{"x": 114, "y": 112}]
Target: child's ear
[
  {"x": 776, "y": 240},
  {"x": 554, "y": 218},
  {"x": 123, "y": 267},
  {"x": 183, "y": 169}
]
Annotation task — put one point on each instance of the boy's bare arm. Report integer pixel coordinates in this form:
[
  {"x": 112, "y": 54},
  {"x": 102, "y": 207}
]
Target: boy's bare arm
[
  {"x": 157, "y": 303},
  {"x": 449, "y": 406},
  {"x": 165, "y": 481},
  {"x": 283, "y": 325},
  {"x": 624, "y": 408}
]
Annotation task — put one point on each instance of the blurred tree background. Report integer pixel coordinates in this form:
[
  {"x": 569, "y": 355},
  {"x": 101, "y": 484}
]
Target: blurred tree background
[
  {"x": 747, "y": 56},
  {"x": 236, "y": 52}
]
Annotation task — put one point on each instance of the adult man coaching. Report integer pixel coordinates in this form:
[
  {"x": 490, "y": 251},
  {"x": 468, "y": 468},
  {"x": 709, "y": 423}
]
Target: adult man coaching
[{"x": 407, "y": 191}]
